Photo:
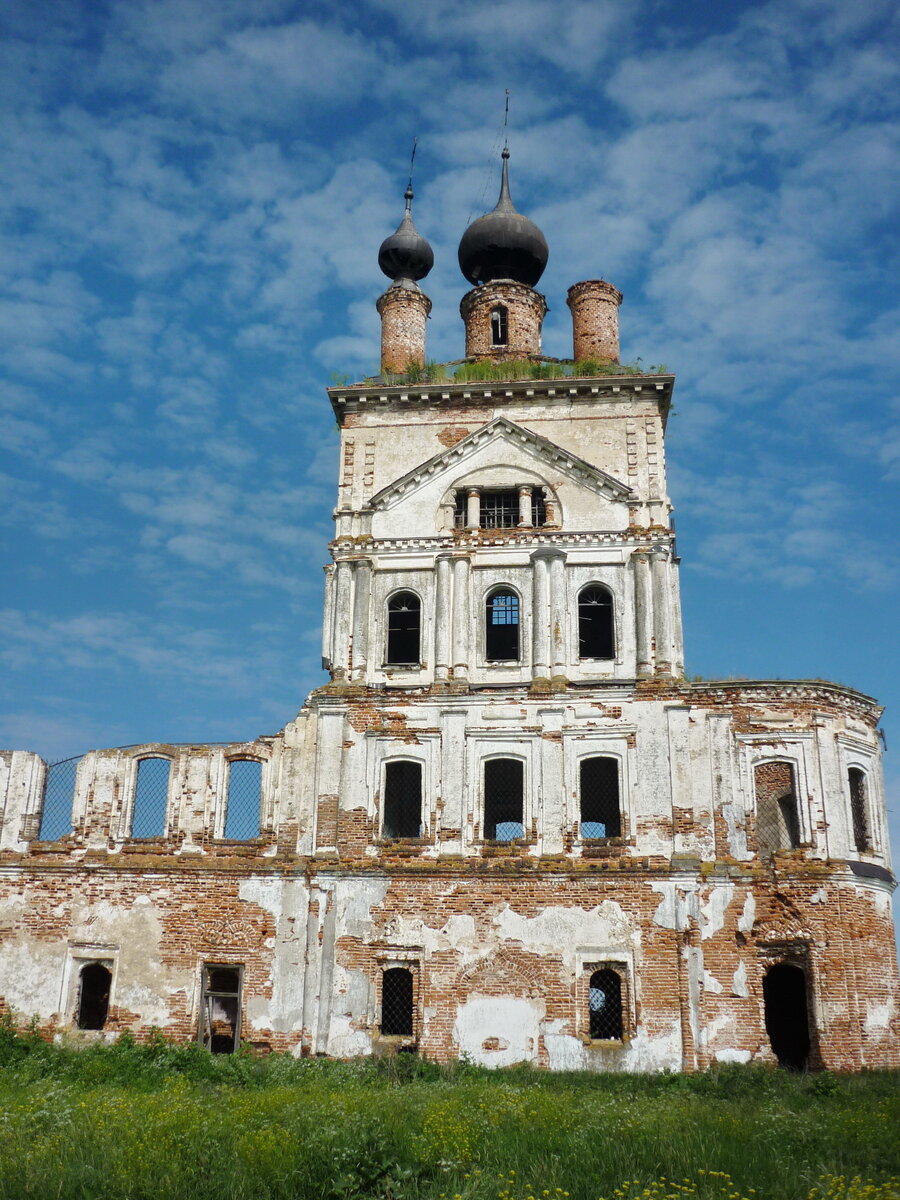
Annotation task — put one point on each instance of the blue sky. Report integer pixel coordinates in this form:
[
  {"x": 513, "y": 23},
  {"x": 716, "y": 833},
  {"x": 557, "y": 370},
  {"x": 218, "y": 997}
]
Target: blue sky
[{"x": 194, "y": 195}]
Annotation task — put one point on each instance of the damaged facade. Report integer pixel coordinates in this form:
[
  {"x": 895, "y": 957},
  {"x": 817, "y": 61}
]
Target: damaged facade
[{"x": 508, "y": 827}]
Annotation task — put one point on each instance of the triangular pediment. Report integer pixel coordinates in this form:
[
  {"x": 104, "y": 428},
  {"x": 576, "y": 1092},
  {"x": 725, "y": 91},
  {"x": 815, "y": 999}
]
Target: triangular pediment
[{"x": 546, "y": 456}]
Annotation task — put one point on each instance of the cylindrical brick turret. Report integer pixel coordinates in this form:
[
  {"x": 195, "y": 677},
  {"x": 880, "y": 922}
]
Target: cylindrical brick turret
[
  {"x": 503, "y": 320},
  {"x": 595, "y": 320},
  {"x": 403, "y": 311}
]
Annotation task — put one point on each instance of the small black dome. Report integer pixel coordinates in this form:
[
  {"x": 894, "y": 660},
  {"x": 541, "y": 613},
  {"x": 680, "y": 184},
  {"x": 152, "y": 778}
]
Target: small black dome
[
  {"x": 406, "y": 255},
  {"x": 503, "y": 244}
]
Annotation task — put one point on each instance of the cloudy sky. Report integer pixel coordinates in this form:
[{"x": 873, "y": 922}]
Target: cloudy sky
[{"x": 194, "y": 194}]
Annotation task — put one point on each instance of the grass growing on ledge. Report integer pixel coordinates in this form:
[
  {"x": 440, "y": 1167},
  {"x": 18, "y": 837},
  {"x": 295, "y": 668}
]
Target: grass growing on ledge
[
  {"x": 515, "y": 369},
  {"x": 163, "y": 1122}
]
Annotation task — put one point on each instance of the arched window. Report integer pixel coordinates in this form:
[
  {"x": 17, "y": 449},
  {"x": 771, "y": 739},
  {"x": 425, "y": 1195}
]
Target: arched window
[
  {"x": 95, "y": 982},
  {"x": 596, "y": 635},
  {"x": 244, "y": 799},
  {"x": 857, "y": 780},
  {"x": 504, "y": 799},
  {"x": 404, "y": 629},
  {"x": 59, "y": 789},
  {"x": 499, "y": 326},
  {"x": 151, "y": 792},
  {"x": 402, "y": 800},
  {"x": 501, "y": 632},
  {"x": 777, "y": 822},
  {"x": 601, "y": 813},
  {"x": 397, "y": 1002},
  {"x": 605, "y": 1006}
]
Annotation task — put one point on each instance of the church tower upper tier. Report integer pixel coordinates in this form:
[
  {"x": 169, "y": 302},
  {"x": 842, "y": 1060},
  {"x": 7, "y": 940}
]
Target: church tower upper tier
[{"x": 502, "y": 532}]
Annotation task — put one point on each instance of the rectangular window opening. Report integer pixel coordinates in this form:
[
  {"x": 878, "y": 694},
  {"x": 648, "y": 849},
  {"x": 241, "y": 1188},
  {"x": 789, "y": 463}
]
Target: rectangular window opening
[
  {"x": 397, "y": 1002},
  {"x": 500, "y": 509},
  {"x": 504, "y": 799},
  {"x": 402, "y": 800},
  {"x": 601, "y": 813},
  {"x": 220, "y": 1008}
]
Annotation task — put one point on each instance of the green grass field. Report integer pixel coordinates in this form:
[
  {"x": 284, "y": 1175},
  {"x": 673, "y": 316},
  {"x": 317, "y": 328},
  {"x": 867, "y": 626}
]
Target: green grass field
[{"x": 158, "y": 1122}]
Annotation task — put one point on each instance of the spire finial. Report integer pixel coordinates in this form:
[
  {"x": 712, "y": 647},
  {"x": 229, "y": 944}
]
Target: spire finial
[
  {"x": 408, "y": 194},
  {"x": 406, "y": 256},
  {"x": 506, "y": 127}
]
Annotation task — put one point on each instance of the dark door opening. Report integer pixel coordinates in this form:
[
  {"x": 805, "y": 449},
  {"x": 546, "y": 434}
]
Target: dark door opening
[
  {"x": 787, "y": 1015},
  {"x": 93, "y": 996}
]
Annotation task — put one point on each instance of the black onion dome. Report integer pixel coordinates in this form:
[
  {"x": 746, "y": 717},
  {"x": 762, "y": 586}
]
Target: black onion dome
[
  {"x": 406, "y": 255},
  {"x": 503, "y": 244}
]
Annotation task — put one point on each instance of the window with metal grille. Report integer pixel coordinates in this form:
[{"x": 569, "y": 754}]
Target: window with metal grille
[
  {"x": 499, "y": 326},
  {"x": 242, "y": 810},
  {"x": 595, "y": 623},
  {"x": 501, "y": 633},
  {"x": 777, "y": 821},
  {"x": 538, "y": 506},
  {"x": 504, "y": 799},
  {"x": 601, "y": 813},
  {"x": 220, "y": 1008},
  {"x": 500, "y": 509},
  {"x": 605, "y": 1008},
  {"x": 402, "y": 800},
  {"x": 397, "y": 1002},
  {"x": 59, "y": 789},
  {"x": 404, "y": 629},
  {"x": 460, "y": 508},
  {"x": 857, "y": 781},
  {"x": 151, "y": 791},
  {"x": 94, "y": 983}
]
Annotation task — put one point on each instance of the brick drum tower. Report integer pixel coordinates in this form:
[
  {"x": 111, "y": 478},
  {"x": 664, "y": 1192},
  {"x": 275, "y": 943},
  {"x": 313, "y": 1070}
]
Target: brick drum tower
[{"x": 507, "y": 827}]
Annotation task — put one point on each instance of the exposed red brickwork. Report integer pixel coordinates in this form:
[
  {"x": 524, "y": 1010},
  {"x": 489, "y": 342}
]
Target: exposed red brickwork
[
  {"x": 595, "y": 320},
  {"x": 525, "y": 314},
  {"x": 403, "y": 314}
]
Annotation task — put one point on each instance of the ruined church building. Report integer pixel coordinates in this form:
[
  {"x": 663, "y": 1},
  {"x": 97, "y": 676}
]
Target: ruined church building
[{"x": 507, "y": 827}]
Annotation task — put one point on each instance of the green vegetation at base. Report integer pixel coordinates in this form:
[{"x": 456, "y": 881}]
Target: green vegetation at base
[{"x": 154, "y": 1122}]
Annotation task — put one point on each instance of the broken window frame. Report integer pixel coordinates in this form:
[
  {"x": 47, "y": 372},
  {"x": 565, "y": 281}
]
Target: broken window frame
[
  {"x": 407, "y": 1036},
  {"x": 597, "y": 628},
  {"x": 92, "y": 964},
  {"x": 394, "y": 767},
  {"x": 391, "y": 656},
  {"x": 148, "y": 800},
  {"x": 499, "y": 325},
  {"x": 858, "y": 787},
  {"x": 490, "y": 800},
  {"x": 510, "y": 614},
  {"x": 232, "y": 835},
  {"x": 613, "y": 768},
  {"x": 206, "y": 1034}
]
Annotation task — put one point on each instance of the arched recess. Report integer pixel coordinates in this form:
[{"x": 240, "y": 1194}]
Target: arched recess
[
  {"x": 777, "y": 814},
  {"x": 596, "y": 622},
  {"x": 859, "y": 809},
  {"x": 151, "y": 795},
  {"x": 499, "y": 325},
  {"x": 402, "y": 806},
  {"x": 502, "y": 624},
  {"x": 787, "y": 1015},
  {"x": 94, "y": 985},
  {"x": 404, "y": 629}
]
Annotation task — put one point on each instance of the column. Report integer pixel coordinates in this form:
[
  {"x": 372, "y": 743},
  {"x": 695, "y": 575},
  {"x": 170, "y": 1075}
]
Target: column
[
  {"x": 558, "y": 609},
  {"x": 540, "y": 665},
  {"x": 662, "y": 609},
  {"x": 340, "y": 620},
  {"x": 525, "y": 517},
  {"x": 442, "y": 617},
  {"x": 473, "y": 509},
  {"x": 550, "y": 509},
  {"x": 643, "y": 614},
  {"x": 362, "y": 579},
  {"x": 461, "y": 619}
]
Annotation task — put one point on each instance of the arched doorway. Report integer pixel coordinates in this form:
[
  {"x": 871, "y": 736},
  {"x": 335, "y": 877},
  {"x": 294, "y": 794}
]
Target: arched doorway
[
  {"x": 787, "y": 1015},
  {"x": 93, "y": 998}
]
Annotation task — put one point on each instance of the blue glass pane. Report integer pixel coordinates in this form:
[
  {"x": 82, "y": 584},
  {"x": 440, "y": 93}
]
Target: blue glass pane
[
  {"x": 508, "y": 831},
  {"x": 150, "y": 796},
  {"x": 593, "y": 829},
  {"x": 242, "y": 813}
]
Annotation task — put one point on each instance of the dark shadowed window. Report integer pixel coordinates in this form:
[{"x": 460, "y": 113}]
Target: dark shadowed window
[
  {"x": 151, "y": 791},
  {"x": 777, "y": 822},
  {"x": 244, "y": 797},
  {"x": 503, "y": 799},
  {"x": 601, "y": 812},
  {"x": 501, "y": 633},
  {"x": 402, "y": 800},
  {"x": 499, "y": 509},
  {"x": 605, "y": 1005},
  {"x": 538, "y": 506},
  {"x": 499, "y": 326},
  {"x": 95, "y": 982},
  {"x": 404, "y": 627},
  {"x": 220, "y": 1009},
  {"x": 857, "y": 781},
  {"x": 595, "y": 623},
  {"x": 397, "y": 1002}
]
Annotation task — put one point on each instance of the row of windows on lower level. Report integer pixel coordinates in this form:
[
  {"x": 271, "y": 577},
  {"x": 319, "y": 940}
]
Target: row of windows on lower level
[
  {"x": 604, "y": 1005},
  {"x": 502, "y": 626},
  {"x": 503, "y": 801}
]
